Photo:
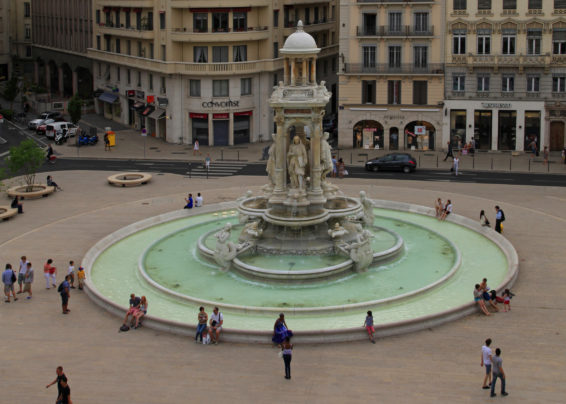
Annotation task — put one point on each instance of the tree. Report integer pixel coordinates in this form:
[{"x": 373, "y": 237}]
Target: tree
[
  {"x": 11, "y": 91},
  {"x": 25, "y": 159},
  {"x": 74, "y": 107}
]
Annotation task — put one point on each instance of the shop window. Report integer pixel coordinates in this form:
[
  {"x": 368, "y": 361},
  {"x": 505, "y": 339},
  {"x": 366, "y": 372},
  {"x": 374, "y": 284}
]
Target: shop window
[
  {"x": 534, "y": 37},
  {"x": 559, "y": 41},
  {"x": 240, "y": 21},
  {"x": 394, "y": 92},
  {"x": 240, "y": 53},
  {"x": 368, "y": 134},
  {"x": 420, "y": 92},
  {"x": 507, "y": 130},
  {"x": 194, "y": 88},
  {"x": 559, "y": 84},
  {"x": 393, "y": 139},
  {"x": 483, "y": 83},
  {"x": 219, "y": 22},
  {"x": 219, "y": 54},
  {"x": 368, "y": 91},
  {"x": 220, "y": 88},
  {"x": 369, "y": 55},
  {"x": 201, "y": 54},
  {"x": 457, "y": 128},
  {"x": 459, "y": 42},
  {"x": 394, "y": 57},
  {"x": 482, "y": 129},
  {"x": 459, "y": 5},
  {"x": 245, "y": 86},
  {"x": 200, "y": 22},
  {"x": 508, "y": 83},
  {"x": 533, "y": 83},
  {"x": 419, "y": 135},
  {"x": 532, "y": 128}
]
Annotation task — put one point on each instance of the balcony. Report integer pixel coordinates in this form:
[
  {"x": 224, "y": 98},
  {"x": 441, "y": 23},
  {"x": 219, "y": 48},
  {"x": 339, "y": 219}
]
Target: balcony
[
  {"x": 251, "y": 34},
  {"x": 132, "y": 32},
  {"x": 388, "y": 31},
  {"x": 395, "y": 1},
  {"x": 500, "y": 95},
  {"x": 386, "y": 69},
  {"x": 501, "y": 61},
  {"x": 186, "y": 4},
  {"x": 212, "y": 69},
  {"x": 126, "y": 3}
]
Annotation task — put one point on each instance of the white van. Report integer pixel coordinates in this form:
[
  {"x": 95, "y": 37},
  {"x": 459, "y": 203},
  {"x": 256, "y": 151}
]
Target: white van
[{"x": 55, "y": 127}]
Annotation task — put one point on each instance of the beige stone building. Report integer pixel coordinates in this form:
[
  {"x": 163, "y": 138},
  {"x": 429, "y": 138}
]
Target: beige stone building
[
  {"x": 505, "y": 74},
  {"x": 203, "y": 70},
  {"x": 21, "y": 39},
  {"x": 391, "y": 79},
  {"x": 5, "y": 57}
]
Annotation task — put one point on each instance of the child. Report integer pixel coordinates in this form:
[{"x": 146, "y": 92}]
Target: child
[
  {"x": 71, "y": 273},
  {"x": 506, "y": 300},
  {"x": 368, "y": 323},
  {"x": 81, "y": 276},
  {"x": 205, "y": 336}
]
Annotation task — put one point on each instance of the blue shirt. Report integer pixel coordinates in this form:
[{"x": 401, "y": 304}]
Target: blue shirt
[
  {"x": 7, "y": 277},
  {"x": 64, "y": 287},
  {"x": 498, "y": 215}
]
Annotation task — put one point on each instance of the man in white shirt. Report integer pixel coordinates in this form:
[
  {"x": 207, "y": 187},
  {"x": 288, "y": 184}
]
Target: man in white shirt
[
  {"x": 216, "y": 321},
  {"x": 22, "y": 272},
  {"x": 486, "y": 360},
  {"x": 198, "y": 201},
  {"x": 71, "y": 273}
]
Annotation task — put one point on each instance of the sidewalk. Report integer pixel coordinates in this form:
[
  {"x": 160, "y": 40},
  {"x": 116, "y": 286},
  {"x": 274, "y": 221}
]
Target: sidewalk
[{"x": 131, "y": 145}]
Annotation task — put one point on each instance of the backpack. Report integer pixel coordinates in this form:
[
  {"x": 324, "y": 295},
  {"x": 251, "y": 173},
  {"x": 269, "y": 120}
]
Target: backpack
[
  {"x": 502, "y": 215},
  {"x": 60, "y": 288},
  {"x": 124, "y": 328}
]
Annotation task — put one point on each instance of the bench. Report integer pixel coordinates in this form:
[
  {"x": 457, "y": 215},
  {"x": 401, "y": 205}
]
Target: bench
[
  {"x": 7, "y": 212},
  {"x": 129, "y": 179},
  {"x": 37, "y": 191}
]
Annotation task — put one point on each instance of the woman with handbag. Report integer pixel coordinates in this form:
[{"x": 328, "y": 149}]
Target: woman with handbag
[{"x": 287, "y": 353}]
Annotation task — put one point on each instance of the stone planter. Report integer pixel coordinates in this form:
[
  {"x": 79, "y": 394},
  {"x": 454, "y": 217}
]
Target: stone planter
[
  {"x": 37, "y": 191},
  {"x": 129, "y": 179}
]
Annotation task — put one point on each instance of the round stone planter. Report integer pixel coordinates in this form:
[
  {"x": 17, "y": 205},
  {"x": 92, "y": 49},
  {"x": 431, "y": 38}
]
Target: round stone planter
[
  {"x": 34, "y": 191},
  {"x": 129, "y": 179},
  {"x": 7, "y": 212}
]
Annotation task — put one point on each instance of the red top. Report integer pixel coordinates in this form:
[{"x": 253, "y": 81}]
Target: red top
[{"x": 49, "y": 268}]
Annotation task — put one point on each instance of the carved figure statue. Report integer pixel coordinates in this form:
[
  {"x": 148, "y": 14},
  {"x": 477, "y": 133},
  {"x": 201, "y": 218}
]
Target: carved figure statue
[
  {"x": 253, "y": 229},
  {"x": 368, "y": 206},
  {"x": 270, "y": 168},
  {"x": 325, "y": 157},
  {"x": 338, "y": 231},
  {"x": 226, "y": 250},
  {"x": 296, "y": 163}
]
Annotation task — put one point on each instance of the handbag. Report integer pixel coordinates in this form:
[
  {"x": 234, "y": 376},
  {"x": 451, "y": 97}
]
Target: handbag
[
  {"x": 280, "y": 354},
  {"x": 14, "y": 279},
  {"x": 346, "y": 172}
]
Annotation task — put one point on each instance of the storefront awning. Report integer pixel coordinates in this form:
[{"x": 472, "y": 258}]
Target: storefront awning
[
  {"x": 138, "y": 105},
  {"x": 108, "y": 97},
  {"x": 157, "y": 114},
  {"x": 147, "y": 111}
]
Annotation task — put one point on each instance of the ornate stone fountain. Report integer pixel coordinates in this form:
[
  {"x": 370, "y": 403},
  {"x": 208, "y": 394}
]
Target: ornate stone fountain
[{"x": 300, "y": 212}]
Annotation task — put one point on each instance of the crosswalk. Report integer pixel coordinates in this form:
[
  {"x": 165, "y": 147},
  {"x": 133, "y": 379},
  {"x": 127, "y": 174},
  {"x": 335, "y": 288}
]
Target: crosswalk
[{"x": 217, "y": 169}]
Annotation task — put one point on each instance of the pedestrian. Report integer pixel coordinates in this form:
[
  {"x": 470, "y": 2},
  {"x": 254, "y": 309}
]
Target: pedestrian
[
  {"x": 483, "y": 219},
  {"x": 507, "y": 300},
  {"x": 438, "y": 207},
  {"x": 455, "y": 165},
  {"x": 65, "y": 396},
  {"x": 71, "y": 273},
  {"x": 335, "y": 162},
  {"x": 287, "y": 351},
  {"x": 341, "y": 168},
  {"x": 22, "y": 272},
  {"x": 499, "y": 219},
  {"x": 196, "y": 148},
  {"x": 486, "y": 361},
  {"x": 198, "y": 201},
  {"x": 216, "y": 321},
  {"x": 280, "y": 330},
  {"x": 564, "y": 155},
  {"x": 65, "y": 294},
  {"x": 50, "y": 273},
  {"x": 207, "y": 162},
  {"x": 368, "y": 323},
  {"x": 447, "y": 210},
  {"x": 106, "y": 142},
  {"x": 143, "y": 131},
  {"x": 202, "y": 320},
  {"x": 16, "y": 204},
  {"x": 450, "y": 152},
  {"x": 9, "y": 278},
  {"x": 189, "y": 202},
  {"x": 28, "y": 280},
  {"x": 545, "y": 154},
  {"x": 498, "y": 372},
  {"x": 60, "y": 377},
  {"x": 81, "y": 277}
]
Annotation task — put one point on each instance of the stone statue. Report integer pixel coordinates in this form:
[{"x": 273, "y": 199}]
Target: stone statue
[
  {"x": 247, "y": 195},
  {"x": 368, "y": 206},
  {"x": 360, "y": 252},
  {"x": 325, "y": 157},
  {"x": 338, "y": 231},
  {"x": 296, "y": 163},
  {"x": 270, "y": 168},
  {"x": 226, "y": 250},
  {"x": 253, "y": 229}
]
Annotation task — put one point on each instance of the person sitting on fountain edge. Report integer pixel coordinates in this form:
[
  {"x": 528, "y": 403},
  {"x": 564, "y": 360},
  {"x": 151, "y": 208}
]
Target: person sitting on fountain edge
[{"x": 280, "y": 330}]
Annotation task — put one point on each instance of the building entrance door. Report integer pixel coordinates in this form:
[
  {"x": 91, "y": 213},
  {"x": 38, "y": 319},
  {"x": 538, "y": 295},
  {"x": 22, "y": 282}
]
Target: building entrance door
[
  {"x": 221, "y": 133},
  {"x": 556, "y": 136}
]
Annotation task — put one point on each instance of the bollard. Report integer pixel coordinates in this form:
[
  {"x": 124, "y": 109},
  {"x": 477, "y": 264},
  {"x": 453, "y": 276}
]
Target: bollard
[
  {"x": 206, "y": 172},
  {"x": 437, "y": 161},
  {"x": 492, "y": 163},
  {"x": 474, "y": 162},
  {"x": 419, "y": 160},
  {"x": 238, "y": 155},
  {"x": 351, "y": 161},
  {"x": 509, "y": 164},
  {"x": 221, "y": 154},
  {"x": 529, "y": 165}
]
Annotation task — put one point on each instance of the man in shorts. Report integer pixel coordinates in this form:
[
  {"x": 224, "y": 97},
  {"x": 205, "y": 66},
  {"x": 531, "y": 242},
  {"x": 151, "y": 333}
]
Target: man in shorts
[
  {"x": 65, "y": 294},
  {"x": 59, "y": 379},
  {"x": 216, "y": 321},
  {"x": 7, "y": 279},
  {"x": 28, "y": 280},
  {"x": 486, "y": 361},
  {"x": 22, "y": 272}
]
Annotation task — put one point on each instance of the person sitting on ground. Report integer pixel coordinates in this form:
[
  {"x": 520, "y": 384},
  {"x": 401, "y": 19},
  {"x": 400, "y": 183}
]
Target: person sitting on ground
[
  {"x": 216, "y": 321},
  {"x": 16, "y": 204},
  {"x": 134, "y": 307},
  {"x": 485, "y": 294},
  {"x": 198, "y": 201},
  {"x": 51, "y": 183},
  {"x": 189, "y": 201},
  {"x": 438, "y": 207},
  {"x": 202, "y": 320},
  {"x": 142, "y": 311},
  {"x": 483, "y": 219},
  {"x": 447, "y": 210},
  {"x": 280, "y": 330},
  {"x": 479, "y": 300}
]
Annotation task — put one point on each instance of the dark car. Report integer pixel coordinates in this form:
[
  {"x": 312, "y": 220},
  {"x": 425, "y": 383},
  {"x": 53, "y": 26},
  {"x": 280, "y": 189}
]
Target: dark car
[{"x": 394, "y": 161}]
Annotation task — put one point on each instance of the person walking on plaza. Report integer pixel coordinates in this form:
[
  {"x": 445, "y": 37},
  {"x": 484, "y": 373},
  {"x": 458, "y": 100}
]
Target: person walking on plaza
[
  {"x": 65, "y": 396},
  {"x": 22, "y": 272},
  {"x": 368, "y": 324},
  {"x": 499, "y": 219},
  {"x": 207, "y": 162},
  {"x": 486, "y": 361},
  {"x": 60, "y": 377},
  {"x": 450, "y": 152},
  {"x": 196, "y": 148},
  {"x": 50, "y": 273},
  {"x": 9, "y": 278},
  {"x": 287, "y": 351},
  {"x": 28, "y": 280},
  {"x": 498, "y": 372},
  {"x": 65, "y": 294},
  {"x": 71, "y": 273},
  {"x": 455, "y": 165}
]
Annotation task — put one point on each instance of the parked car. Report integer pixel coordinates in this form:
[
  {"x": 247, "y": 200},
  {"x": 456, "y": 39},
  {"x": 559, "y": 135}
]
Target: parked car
[
  {"x": 51, "y": 115},
  {"x": 35, "y": 123},
  {"x": 393, "y": 161},
  {"x": 40, "y": 129},
  {"x": 52, "y": 128}
]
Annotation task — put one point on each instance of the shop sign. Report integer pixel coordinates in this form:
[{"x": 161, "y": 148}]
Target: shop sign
[
  {"x": 245, "y": 113},
  {"x": 131, "y": 93},
  {"x": 150, "y": 99},
  {"x": 162, "y": 102},
  {"x": 420, "y": 130},
  {"x": 221, "y": 104},
  {"x": 297, "y": 111},
  {"x": 140, "y": 94},
  {"x": 195, "y": 115},
  {"x": 220, "y": 116},
  {"x": 503, "y": 105}
]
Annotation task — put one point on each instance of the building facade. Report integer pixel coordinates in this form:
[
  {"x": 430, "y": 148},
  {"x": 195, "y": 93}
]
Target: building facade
[
  {"x": 61, "y": 34},
  {"x": 505, "y": 74},
  {"x": 201, "y": 69},
  {"x": 5, "y": 57},
  {"x": 20, "y": 39},
  {"x": 391, "y": 80}
]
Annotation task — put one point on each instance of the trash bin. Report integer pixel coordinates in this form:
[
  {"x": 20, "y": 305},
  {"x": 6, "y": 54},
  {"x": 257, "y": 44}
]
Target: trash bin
[{"x": 111, "y": 138}]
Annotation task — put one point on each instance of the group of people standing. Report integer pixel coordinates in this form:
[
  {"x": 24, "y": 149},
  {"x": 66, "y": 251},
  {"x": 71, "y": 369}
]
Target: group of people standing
[{"x": 493, "y": 369}]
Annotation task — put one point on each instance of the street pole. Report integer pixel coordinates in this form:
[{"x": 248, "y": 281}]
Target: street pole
[{"x": 144, "y": 146}]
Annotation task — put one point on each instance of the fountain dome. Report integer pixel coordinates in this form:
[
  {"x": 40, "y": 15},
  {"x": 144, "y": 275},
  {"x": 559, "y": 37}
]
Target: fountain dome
[{"x": 300, "y": 42}]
